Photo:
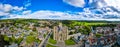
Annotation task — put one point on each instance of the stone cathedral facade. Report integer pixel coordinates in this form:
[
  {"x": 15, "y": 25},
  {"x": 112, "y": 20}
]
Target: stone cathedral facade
[{"x": 60, "y": 32}]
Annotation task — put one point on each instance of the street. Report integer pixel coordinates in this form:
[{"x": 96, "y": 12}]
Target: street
[{"x": 44, "y": 42}]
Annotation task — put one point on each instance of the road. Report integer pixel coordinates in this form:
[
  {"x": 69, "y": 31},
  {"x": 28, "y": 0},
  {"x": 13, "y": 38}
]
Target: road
[{"x": 44, "y": 42}]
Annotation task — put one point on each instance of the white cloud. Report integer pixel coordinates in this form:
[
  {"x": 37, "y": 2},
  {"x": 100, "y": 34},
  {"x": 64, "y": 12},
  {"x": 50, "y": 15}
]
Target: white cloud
[
  {"x": 105, "y": 3},
  {"x": 114, "y": 3},
  {"x": 98, "y": 9},
  {"x": 42, "y": 14},
  {"x": 27, "y": 3},
  {"x": 18, "y": 8},
  {"x": 2, "y": 13},
  {"x": 9, "y": 11},
  {"x": 26, "y": 12},
  {"x": 76, "y": 3},
  {"x": 88, "y": 14},
  {"x": 6, "y": 9},
  {"x": 47, "y": 15}
]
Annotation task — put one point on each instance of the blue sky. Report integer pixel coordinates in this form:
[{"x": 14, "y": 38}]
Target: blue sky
[
  {"x": 54, "y": 5},
  {"x": 61, "y": 9}
]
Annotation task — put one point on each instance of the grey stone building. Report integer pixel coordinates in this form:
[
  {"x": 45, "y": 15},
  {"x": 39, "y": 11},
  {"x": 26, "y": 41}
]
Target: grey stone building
[{"x": 60, "y": 32}]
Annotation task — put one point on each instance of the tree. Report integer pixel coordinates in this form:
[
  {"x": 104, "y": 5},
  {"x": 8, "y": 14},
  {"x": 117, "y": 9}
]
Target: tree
[
  {"x": 36, "y": 25},
  {"x": 98, "y": 35},
  {"x": 30, "y": 39},
  {"x": 85, "y": 30},
  {"x": 19, "y": 40},
  {"x": 6, "y": 38},
  {"x": 34, "y": 29},
  {"x": 4, "y": 41},
  {"x": 70, "y": 33},
  {"x": 12, "y": 39},
  {"x": 37, "y": 40}
]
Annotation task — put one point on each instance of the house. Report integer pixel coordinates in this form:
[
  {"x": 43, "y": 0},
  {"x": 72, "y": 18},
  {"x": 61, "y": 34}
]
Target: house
[{"x": 13, "y": 45}]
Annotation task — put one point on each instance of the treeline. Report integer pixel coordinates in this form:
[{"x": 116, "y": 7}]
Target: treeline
[{"x": 69, "y": 23}]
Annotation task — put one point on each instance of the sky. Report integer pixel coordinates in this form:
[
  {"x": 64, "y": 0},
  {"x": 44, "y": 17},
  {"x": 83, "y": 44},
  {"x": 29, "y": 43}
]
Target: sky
[{"x": 61, "y": 9}]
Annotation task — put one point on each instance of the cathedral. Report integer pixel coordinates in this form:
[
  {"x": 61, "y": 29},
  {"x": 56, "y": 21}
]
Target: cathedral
[{"x": 60, "y": 32}]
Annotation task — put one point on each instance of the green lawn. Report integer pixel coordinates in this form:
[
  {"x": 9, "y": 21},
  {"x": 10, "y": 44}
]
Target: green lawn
[
  {"x": 52, "y": 41},
  {"x": 48, "y": 45},
  {"x": 69, "y": 42}
]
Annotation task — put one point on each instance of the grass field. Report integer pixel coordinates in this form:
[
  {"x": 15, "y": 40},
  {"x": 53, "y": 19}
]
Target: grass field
[
  {"x": 48, "y": 45},
  {"x": 52, "y": 41},
  {"x": 69, "y": 42}
]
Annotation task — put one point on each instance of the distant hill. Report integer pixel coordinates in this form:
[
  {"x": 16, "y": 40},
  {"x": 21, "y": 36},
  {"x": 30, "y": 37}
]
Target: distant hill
[{"x": 88, "y": 21}]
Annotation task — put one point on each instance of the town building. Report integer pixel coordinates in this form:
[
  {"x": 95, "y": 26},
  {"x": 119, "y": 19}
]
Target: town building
[
  {"x": 60, "y": 32},
  {"x": 118, "y": 33}
]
